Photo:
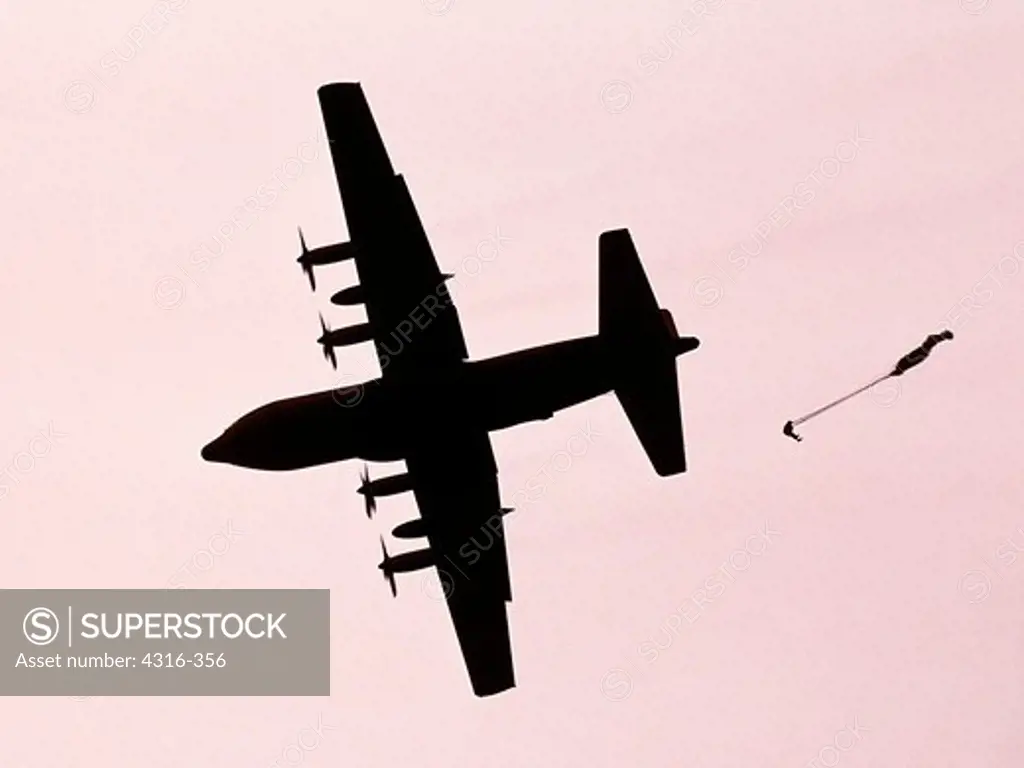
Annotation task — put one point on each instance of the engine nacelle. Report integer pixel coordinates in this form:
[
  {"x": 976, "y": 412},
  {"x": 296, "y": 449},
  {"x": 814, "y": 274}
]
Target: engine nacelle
[
  {"x": 413, "y": 529},
  {"x": 411, "y": 561},
  {"x": 349, "y": 297},
  {"x": 387, "y": 486},
  {"x": 333, "y": 253},
  {"x": 344, "y": 337}
]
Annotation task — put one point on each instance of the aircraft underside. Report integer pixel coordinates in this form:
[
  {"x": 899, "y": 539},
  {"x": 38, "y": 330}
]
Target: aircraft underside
[{"x": 435, "y": 410}]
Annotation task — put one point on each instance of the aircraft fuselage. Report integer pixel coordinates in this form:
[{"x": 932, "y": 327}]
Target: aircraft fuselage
[{"x": 377, "y": 420}]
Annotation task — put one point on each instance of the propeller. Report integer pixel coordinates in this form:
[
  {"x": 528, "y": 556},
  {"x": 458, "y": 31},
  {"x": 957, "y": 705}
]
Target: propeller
[
  {"x": 371, "y": 500},
  {"x": 306, "y": 266},
  {"x": 385, "y": 566},
  {"x": 328, "y": 348}
]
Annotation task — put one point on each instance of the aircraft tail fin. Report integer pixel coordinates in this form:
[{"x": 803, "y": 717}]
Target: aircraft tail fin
[{"x": 642, "y": 345}]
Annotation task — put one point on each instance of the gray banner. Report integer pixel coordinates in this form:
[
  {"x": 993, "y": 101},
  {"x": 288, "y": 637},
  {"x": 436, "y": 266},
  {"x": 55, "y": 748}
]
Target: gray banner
[{"x": 158, "y": 642}]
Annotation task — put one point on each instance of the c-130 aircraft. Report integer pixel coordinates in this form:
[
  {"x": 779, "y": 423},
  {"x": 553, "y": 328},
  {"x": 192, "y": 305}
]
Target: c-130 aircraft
[{"x": 435, "y": 408}]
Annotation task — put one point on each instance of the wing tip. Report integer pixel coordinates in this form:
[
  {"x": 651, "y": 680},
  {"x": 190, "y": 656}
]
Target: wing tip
[
  {"x": 486, "y": 691},
  {"x": 614, "y": 236},
  {"x": 670, "y": 470},
  {"x": 339, "y": 89}
]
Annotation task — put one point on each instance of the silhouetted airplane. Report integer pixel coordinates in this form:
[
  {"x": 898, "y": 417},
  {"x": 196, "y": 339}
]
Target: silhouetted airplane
[{"x": 434, "y": 409}]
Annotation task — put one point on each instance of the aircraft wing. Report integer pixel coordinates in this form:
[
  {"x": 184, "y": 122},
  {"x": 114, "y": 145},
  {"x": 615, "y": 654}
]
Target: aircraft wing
[
  {"x": 456, "y": 487},
  {"x": 411, "y": 315},
  {"x": 416, "y": 329}
]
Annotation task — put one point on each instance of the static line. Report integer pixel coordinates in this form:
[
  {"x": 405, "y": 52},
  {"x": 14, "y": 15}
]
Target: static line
[{"x": 834, "y": 403}]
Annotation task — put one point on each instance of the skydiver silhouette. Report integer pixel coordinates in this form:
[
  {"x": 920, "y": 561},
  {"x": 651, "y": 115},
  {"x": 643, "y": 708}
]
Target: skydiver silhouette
[
  {"x": 787, "y": 430},
  {"x": 908, "y": 361},
  {"x": 918, "y": 356}
]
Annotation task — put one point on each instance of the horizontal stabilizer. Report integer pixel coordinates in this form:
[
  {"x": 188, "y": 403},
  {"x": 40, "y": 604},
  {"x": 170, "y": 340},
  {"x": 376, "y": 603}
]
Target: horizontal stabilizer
[
  {"x": 651, "y": 403},
  {"x": 642, "y": 345}
]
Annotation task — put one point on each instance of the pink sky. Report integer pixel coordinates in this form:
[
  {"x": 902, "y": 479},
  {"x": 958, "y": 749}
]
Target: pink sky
[{"x": 889, "y": 602}]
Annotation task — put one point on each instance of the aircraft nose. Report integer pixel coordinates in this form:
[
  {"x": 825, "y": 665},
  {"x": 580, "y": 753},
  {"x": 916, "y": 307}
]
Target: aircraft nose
[{"x": 214, "y": 450}]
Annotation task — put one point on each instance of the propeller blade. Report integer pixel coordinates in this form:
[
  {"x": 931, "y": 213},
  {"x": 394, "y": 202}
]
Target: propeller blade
[
  {"x": 389, "y": 575},
  {"x": 364, "y": 488},
  {"x": 306, "y": 267},
  {"x": 328, "y": 347}
]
